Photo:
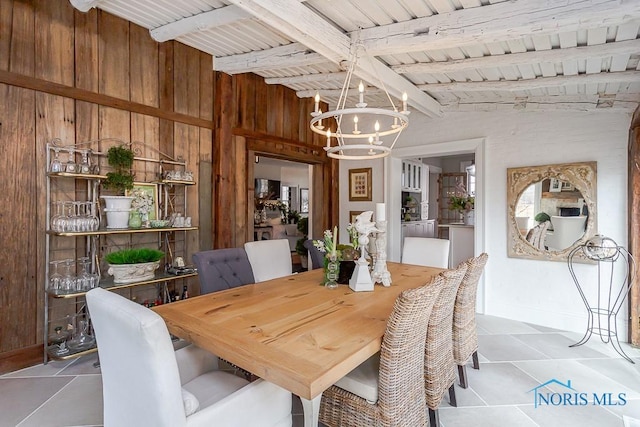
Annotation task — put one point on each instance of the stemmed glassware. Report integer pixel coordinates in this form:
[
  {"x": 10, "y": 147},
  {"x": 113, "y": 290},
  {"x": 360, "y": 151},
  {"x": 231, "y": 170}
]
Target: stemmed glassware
[
  {"x": 56, "y": 164},
  {"x": 84, "y": 281},
  {"x": 85, "y": 166},
  {"x": 68, "y": 282},
  {"x": 55, "y": 278},
  {"x": 71, "y": 166}
]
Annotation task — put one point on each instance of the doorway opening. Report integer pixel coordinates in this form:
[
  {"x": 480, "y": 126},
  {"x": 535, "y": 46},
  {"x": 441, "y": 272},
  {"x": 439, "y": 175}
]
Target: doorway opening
[
  {"x": 393, "y": 195},
  {"x": 282, "y": 204}
]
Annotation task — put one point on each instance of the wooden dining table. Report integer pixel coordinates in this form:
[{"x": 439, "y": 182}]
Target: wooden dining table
[{"x": 292, "y": 331}]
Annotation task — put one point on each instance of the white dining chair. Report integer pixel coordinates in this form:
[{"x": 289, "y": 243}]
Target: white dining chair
[
  {"x": 146, "y": 383},
  {"x": 426, "y": 251},
  {"x": 269, "y": 259}
]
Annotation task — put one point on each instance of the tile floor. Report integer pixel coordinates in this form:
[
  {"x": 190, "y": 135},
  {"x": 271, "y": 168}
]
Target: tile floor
[{"x": 515, "y": 357}]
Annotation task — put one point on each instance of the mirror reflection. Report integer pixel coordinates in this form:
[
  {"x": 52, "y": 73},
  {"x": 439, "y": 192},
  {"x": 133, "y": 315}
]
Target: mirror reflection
[
  {"x": 551, "y": 209},
  {"x": 557, "y": 202}
]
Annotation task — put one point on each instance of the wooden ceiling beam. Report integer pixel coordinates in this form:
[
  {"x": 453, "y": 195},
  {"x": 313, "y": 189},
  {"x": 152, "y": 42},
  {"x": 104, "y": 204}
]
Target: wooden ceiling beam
[
  {"x": 291, "y": 55},
  {"x": 576, "y": 103},
  {"x": 84, "y": 5},
  {"x": 200, "y": 22},
  {"x": 496, "y": 22},
  {"x": 307, "y": 78},
  {"x": 303, "y": 25},
  {"x": 628, "y": 47},
  {"x": 531, "y": 84}
]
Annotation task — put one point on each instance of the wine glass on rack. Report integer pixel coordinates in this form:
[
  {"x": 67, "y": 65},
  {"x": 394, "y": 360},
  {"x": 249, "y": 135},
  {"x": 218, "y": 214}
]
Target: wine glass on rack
[
  {"x": 84, "y": 280},
  {"x": 95, "y": 276},
  {"x": 84, "y": 166},
  {"x": 56, "y": 218},
  {"x": 71, "y": 166},
  {"x": 68, "y": 282},
  {"x": 94, "y": 221},
  {"x": 56, "y": 164},
  {"x": 55, "y": 278}
]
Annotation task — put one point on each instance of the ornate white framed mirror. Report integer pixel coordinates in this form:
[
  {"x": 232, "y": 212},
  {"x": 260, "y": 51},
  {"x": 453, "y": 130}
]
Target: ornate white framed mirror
[{"x": 551, "y": 209}]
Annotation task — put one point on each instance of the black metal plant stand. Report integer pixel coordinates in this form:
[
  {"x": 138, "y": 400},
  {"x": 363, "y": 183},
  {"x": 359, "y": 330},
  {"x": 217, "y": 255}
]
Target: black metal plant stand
[{"x": 613, "y": 262}]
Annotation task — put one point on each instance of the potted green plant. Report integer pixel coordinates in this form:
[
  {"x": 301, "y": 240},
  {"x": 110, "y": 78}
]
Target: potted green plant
[
  {"x": 133, "y": 265},
  {"x": 542, "y": 217},
  {"x": 120, "y": 158},
  {"x": 303, "y": 227}
]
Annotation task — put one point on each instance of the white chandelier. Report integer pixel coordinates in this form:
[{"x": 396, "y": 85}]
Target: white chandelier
[{"x": 356, "y": 143}]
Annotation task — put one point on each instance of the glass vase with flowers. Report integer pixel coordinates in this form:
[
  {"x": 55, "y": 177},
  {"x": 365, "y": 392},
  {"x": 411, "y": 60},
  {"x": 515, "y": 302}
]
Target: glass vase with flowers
[{"x": 329, "y": 246}]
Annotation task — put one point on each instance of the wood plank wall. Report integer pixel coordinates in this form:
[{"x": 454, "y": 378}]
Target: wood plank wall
[{"x": 87, "y": 76}]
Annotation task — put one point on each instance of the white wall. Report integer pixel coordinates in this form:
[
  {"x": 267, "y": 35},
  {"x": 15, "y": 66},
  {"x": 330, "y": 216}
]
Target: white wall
[
  {"x": 540, "y": 292},
  {"x": 377, "y": 193}
]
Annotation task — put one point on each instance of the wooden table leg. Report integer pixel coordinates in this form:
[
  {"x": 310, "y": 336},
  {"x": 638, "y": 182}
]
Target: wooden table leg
[{"x": 311, "y": 410}]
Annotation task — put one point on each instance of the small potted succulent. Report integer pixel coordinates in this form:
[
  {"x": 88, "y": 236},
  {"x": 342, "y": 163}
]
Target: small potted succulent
[
  {"x": 133, "y": 265},
  {"x": 118, "y": 206}
]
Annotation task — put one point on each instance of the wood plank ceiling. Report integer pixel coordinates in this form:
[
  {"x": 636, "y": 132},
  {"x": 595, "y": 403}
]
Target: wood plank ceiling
[{"x": 448, "y": 55}]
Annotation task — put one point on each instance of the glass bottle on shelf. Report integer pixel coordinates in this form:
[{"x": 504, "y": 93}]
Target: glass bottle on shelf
[{"x": 185, "y": 293}]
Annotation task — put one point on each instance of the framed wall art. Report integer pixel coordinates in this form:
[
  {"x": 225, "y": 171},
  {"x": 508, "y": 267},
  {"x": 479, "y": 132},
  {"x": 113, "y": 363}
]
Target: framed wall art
[
  {"x": 145, "y": 199},
  {"x": 353, "y": 215},
  {"x": 360, "y": 185}
]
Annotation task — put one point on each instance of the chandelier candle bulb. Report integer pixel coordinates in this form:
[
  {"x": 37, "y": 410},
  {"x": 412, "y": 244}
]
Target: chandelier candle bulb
[
  {"x": 358, "y": 143},
  {"x": 317, "y": 99},
  {"x": 328, "y": 138},
  {"x": 404, "y": 101}
]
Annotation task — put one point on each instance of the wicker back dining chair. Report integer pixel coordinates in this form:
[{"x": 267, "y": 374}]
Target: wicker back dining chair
[
  {"x": 465, "y": 335},
  {"x": 388, "y": 389},
  {"x": 439, "y": 367}
]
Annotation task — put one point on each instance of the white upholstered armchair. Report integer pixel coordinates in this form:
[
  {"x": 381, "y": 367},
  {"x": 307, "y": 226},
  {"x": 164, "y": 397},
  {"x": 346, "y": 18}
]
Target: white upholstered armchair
[{"x": 146, "y": 383}]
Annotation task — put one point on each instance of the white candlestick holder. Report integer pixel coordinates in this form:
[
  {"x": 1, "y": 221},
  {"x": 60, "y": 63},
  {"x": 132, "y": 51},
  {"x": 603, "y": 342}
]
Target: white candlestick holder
[
  {"x": 361, "y": 278},
  {"x": 380, "y": 272}
]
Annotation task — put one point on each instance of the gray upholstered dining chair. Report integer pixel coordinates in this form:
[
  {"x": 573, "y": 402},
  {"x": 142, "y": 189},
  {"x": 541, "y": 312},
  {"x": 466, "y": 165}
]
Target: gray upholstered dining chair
[
  {"x": 439, "y": 367},
  {"x": 426, "y": 251},
  {"x": 465, "y": 334},
  {"x": 317, "y": 257},
  {"x": 269, "y": 259},
  {"x": 388, "y": 388},
  {"x": 220, "y": 269},
  {"x": 146, "y": 383}
]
